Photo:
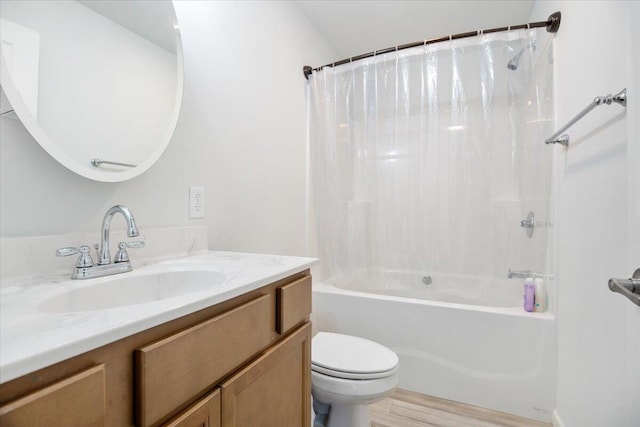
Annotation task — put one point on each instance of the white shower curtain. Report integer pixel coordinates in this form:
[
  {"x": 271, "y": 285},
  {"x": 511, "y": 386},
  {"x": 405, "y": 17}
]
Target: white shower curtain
[{"x": 426, "y": 159}]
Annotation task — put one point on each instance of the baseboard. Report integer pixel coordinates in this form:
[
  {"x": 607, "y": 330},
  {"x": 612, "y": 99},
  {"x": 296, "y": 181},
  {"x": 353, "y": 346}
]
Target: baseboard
[{"x": 556, "y": 420}]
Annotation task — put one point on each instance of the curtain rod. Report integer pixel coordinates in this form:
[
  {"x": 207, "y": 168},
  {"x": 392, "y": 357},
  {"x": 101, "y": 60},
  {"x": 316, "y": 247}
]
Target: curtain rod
[{"x": 552, "y": 24}]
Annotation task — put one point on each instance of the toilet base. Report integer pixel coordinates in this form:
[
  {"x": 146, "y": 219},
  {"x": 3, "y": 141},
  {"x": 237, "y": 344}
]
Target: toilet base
[
  {"x": 349, "y": 415},
  {"x": 320, "y": 413},
  {"x": 347, "y": 401}
]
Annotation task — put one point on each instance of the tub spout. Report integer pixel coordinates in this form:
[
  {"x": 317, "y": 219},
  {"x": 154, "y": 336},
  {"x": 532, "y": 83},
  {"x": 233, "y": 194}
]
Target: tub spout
[{"x": 522, "y": 274}]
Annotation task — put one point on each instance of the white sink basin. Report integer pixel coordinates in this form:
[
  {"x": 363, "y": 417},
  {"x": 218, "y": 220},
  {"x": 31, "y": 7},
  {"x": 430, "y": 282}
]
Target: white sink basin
[{"x": 125, "y": 290}]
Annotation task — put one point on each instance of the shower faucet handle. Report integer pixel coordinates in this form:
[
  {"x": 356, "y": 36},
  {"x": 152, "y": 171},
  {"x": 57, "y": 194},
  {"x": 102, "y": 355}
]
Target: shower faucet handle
[{"x": 529, "y": 224}]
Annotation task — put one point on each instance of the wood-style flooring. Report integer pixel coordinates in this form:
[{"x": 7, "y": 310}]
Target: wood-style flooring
[{"x": 408, "y": 409}]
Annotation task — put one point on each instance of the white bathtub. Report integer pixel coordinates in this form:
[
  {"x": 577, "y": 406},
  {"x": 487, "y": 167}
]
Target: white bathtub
[{"x": 483, "y": 350}]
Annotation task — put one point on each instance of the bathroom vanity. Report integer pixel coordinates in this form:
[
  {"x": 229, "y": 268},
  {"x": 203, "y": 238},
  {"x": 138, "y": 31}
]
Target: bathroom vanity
[{"x": 236, "y": 354}]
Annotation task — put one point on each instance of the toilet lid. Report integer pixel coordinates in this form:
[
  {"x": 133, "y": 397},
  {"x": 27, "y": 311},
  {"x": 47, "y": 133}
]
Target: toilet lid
[{"x": 345, "y": 356}]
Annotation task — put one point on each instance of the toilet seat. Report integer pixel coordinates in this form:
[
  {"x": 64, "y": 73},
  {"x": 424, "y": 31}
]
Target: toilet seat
[
  {"x": 349, "y": 357},
  {"x": 352, "y": 375}
]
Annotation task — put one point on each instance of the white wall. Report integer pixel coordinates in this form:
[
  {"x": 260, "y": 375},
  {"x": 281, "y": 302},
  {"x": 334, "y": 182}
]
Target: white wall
[
  {"x": 598, "y": 331},
  {"x": 241, "y": 135}
]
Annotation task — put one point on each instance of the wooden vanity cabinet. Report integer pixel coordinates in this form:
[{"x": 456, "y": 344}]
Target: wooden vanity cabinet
[
  {"x": 275, "y": 389},
  {"x": 174, "y": 370},
  {"x": 78, "y": 400},
  {"x": 272, "y": 391},
  {"x": 243, "y": 362},
  {"x": 204, "y": 413}
]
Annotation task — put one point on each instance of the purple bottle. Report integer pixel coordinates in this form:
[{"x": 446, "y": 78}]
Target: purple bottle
[{"x": 529, "y": 294}]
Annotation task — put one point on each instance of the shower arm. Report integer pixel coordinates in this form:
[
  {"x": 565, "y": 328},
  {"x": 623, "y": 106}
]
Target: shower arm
[{"x": 559, "y": 137}]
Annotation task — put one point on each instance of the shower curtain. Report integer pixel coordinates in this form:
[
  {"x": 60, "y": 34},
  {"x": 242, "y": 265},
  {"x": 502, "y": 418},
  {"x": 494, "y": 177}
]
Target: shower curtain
[{"x": 427, "y": 159}]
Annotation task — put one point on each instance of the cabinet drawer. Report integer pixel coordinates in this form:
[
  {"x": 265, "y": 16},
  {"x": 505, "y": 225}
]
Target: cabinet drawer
[
  {"x": 172, "y": 371},
  {"x": 293, "y": 304},
  {"x": 203, "y": 413},
  {"x": 75, "y": 401}
]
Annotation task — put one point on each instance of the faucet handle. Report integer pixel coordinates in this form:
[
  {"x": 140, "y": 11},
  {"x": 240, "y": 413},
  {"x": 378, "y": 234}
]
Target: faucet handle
[
  {"x": 84, "y": 260},
  {"x": 135, "y": 244},
  {"x": 122, "y": 255},
  {"x": 67, "y": 251}
]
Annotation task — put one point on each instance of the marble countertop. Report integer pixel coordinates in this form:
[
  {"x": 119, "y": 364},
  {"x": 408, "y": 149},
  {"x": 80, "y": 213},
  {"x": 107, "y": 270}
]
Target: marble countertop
[{"x": 31, "y": 338}]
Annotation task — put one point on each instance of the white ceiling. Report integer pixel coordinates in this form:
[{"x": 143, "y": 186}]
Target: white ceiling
[{"x": 354, "y": 27}]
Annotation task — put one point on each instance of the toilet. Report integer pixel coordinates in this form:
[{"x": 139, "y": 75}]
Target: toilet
[{"x": 347, "y": 374}]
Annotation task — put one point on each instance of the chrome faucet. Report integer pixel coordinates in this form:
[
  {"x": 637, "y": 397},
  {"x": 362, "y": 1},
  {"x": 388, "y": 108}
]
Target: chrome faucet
[
  {"x": 132, "y": 230},
  {"x": 85, "y": 269}
]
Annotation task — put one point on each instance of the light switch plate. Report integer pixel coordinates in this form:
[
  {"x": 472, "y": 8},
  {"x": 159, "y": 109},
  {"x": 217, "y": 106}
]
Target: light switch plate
[{"x": 196, "y": 202}]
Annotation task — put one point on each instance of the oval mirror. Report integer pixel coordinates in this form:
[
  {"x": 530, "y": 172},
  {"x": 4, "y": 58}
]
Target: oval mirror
[{"x": 97, "y": 83}]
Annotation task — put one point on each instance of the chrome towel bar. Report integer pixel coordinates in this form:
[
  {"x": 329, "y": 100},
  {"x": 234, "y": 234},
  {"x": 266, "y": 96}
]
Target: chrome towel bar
[
  {"x": 559, "y": 137},
  {"x": 97, "y": 162}
]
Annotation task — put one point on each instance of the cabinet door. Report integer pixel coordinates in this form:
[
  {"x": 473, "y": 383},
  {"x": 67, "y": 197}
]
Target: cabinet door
[
  {"x": 274, "y": 390},
  {"x": 76, "y": 401},
  {"x": 204, "y": 413}
]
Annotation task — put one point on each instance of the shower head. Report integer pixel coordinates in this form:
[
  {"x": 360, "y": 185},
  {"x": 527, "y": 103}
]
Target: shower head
[{"x": 515, "y": 61}]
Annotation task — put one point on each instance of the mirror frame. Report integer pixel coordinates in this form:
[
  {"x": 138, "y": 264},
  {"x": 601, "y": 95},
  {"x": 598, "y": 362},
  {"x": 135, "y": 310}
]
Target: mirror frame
[{"x": 91, "y": 172}]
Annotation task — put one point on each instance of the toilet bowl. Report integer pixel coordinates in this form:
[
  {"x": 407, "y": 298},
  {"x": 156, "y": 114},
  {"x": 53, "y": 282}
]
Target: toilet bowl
[{"x": 348, "y": 374}]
